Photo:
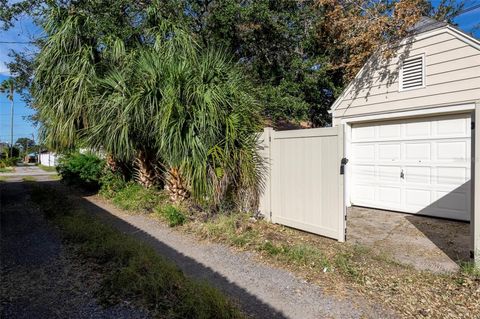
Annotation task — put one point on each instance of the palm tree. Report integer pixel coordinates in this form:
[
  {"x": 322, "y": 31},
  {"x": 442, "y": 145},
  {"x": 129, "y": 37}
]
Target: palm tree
[
  {"x": 205, "y": 119},
  {"x": 165, "y": 104}
]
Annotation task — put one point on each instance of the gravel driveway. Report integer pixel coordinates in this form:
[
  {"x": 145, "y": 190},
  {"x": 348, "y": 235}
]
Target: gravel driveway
[
  {"x": 39, "y": 277},
  {"x": 262, "y": 291}
]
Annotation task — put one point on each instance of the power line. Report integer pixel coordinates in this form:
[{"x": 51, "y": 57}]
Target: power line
[
  {"x": 17, "y": 42},
  {"x": 467, "y": 10}
]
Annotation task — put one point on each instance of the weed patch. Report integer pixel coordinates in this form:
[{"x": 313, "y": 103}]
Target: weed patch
[
  {"x": 29, "y": 179},
  {"x": 134, "y": 197},
  {"x": 469, "y": 269},
  {"x": 172, "y": 214},
  {"x": 47, "y": 168},
  {"x": 132, "y": 269}
]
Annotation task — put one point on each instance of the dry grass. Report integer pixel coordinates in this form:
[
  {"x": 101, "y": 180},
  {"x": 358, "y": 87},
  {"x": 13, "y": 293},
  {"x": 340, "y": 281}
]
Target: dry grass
[{"x": 339, "y": 267}]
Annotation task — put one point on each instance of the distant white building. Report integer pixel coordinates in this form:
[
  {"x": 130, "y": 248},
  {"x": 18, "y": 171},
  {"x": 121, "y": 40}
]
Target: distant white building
[{"x": 48, "y": 158}]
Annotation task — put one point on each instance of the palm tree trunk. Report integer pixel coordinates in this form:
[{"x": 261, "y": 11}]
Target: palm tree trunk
[
  {"x": 145, "y": 172},
  {"x": 175, "y": 186},
  {"x": 111, "y": 163}
]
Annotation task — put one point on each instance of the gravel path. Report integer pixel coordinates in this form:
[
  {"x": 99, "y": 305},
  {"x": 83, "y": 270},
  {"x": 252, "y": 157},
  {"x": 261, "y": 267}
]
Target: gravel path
[
  {"x": 39, "y": 279},
  {"x": 28, "y": 170},
  {"x": 262, "y": 291}
]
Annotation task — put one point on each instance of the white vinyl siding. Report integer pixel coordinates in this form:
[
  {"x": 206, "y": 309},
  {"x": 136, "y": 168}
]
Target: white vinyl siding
[{"x": 451, "y": 76}]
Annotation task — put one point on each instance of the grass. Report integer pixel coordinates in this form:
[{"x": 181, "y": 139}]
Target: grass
[
  {"x": 134, "y": 197},
  {"x": 469, "y": 269},
  {"x": 55, "y": 177},
  {"x": 29, "y": 179},
  {"x": 237, "y": 230},
  {"x": 7, "y": 169},
  {"x": 47, "y": 168},
  {"x": 131, "y": 269},
  {"x": 173, "y": 215}
]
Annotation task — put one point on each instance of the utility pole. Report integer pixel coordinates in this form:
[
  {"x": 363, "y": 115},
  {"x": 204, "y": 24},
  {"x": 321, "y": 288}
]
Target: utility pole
[
  {"x": 11, "y": 119},
  {"x": 8, "y": 86}
]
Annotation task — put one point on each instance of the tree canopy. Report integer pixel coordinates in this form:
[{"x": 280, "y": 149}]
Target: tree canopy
[
  {"x": 299, "y": 54},
  {"x": 179, "y": 88}
]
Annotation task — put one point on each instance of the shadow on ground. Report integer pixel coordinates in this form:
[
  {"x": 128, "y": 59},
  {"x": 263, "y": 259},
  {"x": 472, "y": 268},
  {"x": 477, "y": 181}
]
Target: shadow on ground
[{"x": 249, "y": 303}]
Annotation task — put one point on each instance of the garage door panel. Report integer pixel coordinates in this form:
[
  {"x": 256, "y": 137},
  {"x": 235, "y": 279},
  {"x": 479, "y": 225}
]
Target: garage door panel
[
  {"x": 390, "y": 195},
  {"x": 364, "y": 152},
  {"x": 389, "y": 152},
  {"x": 418, "y": 129},
  {"x": 454, "y": 201},
  {"x": 364, "y": 193},
  {"x": 417, "y": 198},
  {"x": 420, "y": 151},
  {"x": 452, "y": 151},
  {"x": 418, "y": 175},
  {"x": 415, "y": 166},
  {"x": 451, "y": 127},
  {"x": 365, "y": 133},
  {"x": 389, "y": 131},
  {"x": 389, "y": 174},
  {"x": 364, "y": 173},
  {"x": 452, "y": 175}
]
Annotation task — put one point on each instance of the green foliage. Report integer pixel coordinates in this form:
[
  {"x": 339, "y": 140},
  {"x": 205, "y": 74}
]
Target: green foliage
[
  {"x": 469, "y": 269},
  {"x": 8, "y": 162},
  {"x": 173, "y": 215},
  {"x": 111, "y": 183},
  {"x": 134, "y": 197},
  {"x": 25, "y": 143},
  {"x": 133, "y": 270},
  {"x": 344, "y": 263},
  {"x": 166, "y": 100},
  {"x": 81, "y": 169}
]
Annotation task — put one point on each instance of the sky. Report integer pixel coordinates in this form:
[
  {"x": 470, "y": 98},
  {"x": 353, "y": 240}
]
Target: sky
[{"x": 25, "y": 30}]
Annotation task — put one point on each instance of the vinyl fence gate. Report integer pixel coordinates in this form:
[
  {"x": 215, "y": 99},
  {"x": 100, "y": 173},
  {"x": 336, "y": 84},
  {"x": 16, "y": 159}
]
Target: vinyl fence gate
[{"x": 304, "y": 186}]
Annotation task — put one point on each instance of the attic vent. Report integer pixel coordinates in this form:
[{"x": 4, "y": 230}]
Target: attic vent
[{"x": 412, "y": 73}]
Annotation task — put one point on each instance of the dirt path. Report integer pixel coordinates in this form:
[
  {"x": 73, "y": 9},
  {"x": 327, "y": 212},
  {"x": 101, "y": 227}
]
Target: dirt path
[
  {"x": 39, "y": 276},
  {"x": 262, "y": 291},
  {"x": 27, "y": 170}
]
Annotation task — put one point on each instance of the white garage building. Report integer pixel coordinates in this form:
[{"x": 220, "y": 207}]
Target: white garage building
[{"x": 409, "y": 127}]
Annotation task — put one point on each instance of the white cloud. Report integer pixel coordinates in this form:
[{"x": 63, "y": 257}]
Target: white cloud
[{"x": 4, "y": 70}]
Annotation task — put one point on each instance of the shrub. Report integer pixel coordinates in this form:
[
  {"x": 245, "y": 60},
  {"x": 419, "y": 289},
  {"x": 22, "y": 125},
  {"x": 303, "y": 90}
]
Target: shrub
[
  {"x": 111, "y": 183},
  {"x": 7, "y": 162},
  {"x": 173, "y": 215},
  {"x": 135, "y": 197},
  {"x": 81, "y": 169}
]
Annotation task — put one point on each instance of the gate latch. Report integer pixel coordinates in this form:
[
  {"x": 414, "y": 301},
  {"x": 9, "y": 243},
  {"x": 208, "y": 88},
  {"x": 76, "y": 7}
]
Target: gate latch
[{"x": 342, "y": 165}]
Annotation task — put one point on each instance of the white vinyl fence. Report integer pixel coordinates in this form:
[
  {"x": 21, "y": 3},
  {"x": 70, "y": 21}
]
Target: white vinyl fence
[
  {"x": 48, "y": 159},
  {"x": 304, "y": 184}
]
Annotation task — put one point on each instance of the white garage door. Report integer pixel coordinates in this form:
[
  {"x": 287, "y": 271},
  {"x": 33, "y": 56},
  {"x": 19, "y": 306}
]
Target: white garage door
[{"x": 419, "y": 166}]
